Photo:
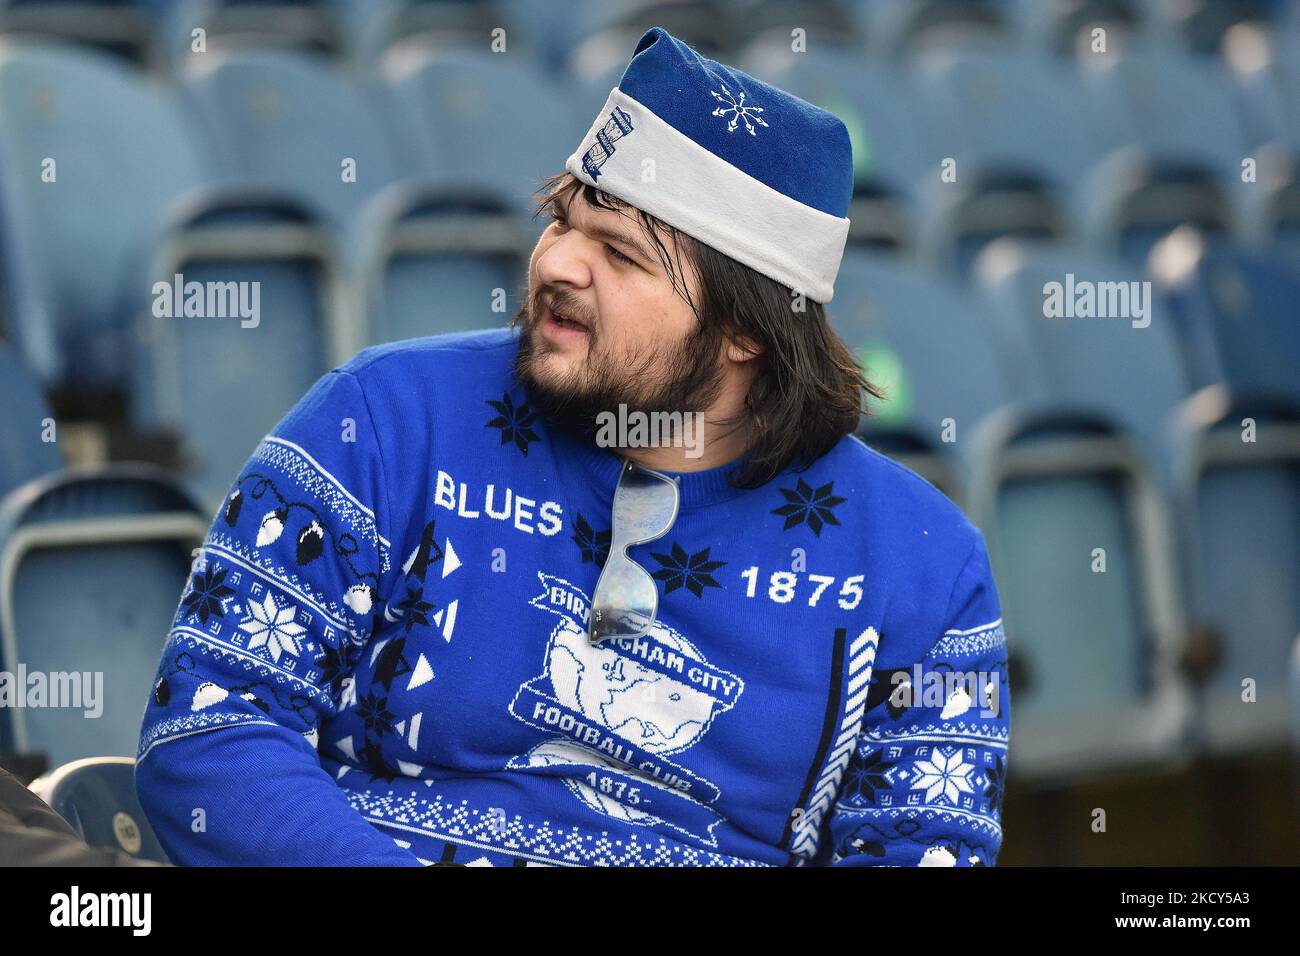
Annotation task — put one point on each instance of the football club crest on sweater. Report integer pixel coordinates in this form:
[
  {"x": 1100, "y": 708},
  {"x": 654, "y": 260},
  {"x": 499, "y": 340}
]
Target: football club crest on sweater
[{"x": 618, "y": 710}]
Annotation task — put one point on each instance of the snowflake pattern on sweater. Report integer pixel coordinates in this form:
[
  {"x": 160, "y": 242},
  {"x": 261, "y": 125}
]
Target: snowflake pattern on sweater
[{"x": 380, "y": 654}]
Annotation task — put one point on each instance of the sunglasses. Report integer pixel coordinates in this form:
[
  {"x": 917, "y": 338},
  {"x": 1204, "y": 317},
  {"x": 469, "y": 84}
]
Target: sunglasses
[{"x": 626, "y": 600}]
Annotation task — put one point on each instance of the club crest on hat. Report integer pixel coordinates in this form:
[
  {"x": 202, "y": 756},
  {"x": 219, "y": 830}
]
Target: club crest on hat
[{"x": 618, "y": 126}]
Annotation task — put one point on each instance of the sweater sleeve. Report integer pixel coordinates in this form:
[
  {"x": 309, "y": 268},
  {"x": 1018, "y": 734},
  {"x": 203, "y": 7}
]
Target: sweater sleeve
[
  {"x": 924, "y": 784},
  {"x": 279, "y": 604}
]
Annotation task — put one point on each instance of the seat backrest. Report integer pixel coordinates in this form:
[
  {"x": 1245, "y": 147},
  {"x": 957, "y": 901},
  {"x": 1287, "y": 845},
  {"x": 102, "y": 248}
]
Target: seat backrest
[
  {"x": 91, "y": 153},
  {"x": 1090, "y": 334},
  {"x": 1235, "y": 314},
  {"x": 1147, "y": 94},
  {"x": 194, "y": 372},
  {"x": 91, "y": 568},
  {"x": 27, "y": 446},
  {"x": 290, "y": 121},
  {"x": 1010, "y": 111},
  {"x": 436, "y": 261},
  {"x": 96, "y": 795},
  {"x": 480, "y": 119},
  {"x": 892, "y": 142},
  {"x": 931, "y": 342}
]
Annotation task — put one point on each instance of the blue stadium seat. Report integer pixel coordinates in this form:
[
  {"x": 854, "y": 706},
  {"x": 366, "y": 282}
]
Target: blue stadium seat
[
  {"x": 97, "y": 797},
  {"x": 434, "y": 261},
  {"x": 1117, "y": 368},
  {"x": 223, "y": 382},
  {"x": 24, "y": 452},
  {"x": 91, "y": 567},
  {"x": 1293, "y": 681},
  {"x": 1079, "y": 467},
  {"x": 1021, "y": 136},
  {"x": 1234, "y": 312},
  {"x": 898, "y": 28},
  {"x": 287, "y": 121},
  {"x": 1010, "y": 111},
  {"x": 928, "y": 344},
  {"x": 606, "y": 31},
  {"x": 124, "y": 29},
  {"x": 896, "y": 163},
  {"x": 1167, "y": 164},
  {"x": 121, "y": 157},
  {"x": 312, "y": 26},
  {"x": 1266, "y": 71},
  {"x": 826, "y": 25},
  {"x": 483, "y": 121},
  {"x": 1239, "y": 500},
  {"x": 436, "y": 24},
  {"x": 1064, "y": 27},
  {"x": 1200, "y": 27}
]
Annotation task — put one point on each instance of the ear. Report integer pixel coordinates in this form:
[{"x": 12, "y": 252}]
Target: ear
[{"x": 741, "y": 349}]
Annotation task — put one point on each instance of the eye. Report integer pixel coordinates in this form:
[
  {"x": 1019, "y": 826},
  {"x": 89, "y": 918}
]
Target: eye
[{"x": 618, "y": 255}]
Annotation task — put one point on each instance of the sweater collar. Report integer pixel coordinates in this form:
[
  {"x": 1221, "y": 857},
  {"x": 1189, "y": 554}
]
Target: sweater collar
[{"x": 602, "y": 467}]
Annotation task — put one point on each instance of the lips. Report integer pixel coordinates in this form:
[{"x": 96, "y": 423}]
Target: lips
[{"x": 563, "y": 320}]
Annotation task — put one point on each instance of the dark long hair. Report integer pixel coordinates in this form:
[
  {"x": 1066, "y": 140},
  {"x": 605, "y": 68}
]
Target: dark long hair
[{"x": 809, "y": 391}]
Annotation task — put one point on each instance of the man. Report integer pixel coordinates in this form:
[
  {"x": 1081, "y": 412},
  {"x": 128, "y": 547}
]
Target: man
[{"x": 614, "y": 586}]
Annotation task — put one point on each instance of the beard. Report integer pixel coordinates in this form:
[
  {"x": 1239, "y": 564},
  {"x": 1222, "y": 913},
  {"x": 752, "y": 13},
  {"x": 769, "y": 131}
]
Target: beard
[{"x": 685, "y": 376}]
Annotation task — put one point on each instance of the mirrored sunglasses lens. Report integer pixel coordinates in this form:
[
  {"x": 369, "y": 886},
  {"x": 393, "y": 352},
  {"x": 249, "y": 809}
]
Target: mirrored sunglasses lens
[
  {"x": 644, "y": 507},
  {"x": 625, "y": 601}
]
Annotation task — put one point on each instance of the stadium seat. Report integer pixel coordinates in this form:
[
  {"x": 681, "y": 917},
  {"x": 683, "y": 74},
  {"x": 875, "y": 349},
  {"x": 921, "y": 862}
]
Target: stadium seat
[
  {"x": 1199, "y": 26},
  {"x": 1064, "y": 27},
  {"x": 826, "y": 25},
  {"x": 97, "y": 798},
  {"x": 901, "y": 28},
  {"x": 222, "y": 383},
  {"x": 306, "y": 25},
  {"x": 437, "y": 24},
  {"x": 1234, "y": 314},
  {"x": 91, "y": 153},
  {"x": 605, "y": 31},
  {"x": 1239, "y": 499},
  {"x": 1021, "y": 137},
  {"x": 91, "y": 568},
  {"x": 895, "y": 161},
  {"x": 437, "y": 261},
  {"x": 928, "y": 344},
  {"x": 1166, "y": 164},
  {"x": 1293, "y": 683},
  {"x": 288, "y": 121},
  {"x": 1141, "y": 91},
  {"x": 446, "y": 105},
  {"x": 1072, "y": 492},
  {"x": 25, "y": 452},
  {"x": 1122, "y": 368},
  {"x": 123, "y": 29}
]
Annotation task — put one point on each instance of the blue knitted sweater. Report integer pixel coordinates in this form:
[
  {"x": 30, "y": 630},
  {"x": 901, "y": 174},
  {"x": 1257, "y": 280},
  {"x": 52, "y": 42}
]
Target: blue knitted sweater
[{"x": 380, "y": 656}]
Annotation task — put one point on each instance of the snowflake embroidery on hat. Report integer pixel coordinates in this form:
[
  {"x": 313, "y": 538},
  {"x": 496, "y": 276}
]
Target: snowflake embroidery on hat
[{"x": 738, "y": 109}]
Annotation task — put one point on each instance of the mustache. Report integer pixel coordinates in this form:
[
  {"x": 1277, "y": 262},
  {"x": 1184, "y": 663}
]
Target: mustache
[{"x": 566, "y": 304}]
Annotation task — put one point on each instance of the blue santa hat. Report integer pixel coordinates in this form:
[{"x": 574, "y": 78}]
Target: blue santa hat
[{"x": 750, "y": 170}]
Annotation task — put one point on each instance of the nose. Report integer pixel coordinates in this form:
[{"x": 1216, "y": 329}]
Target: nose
[{"x": 565, "y": 262}]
